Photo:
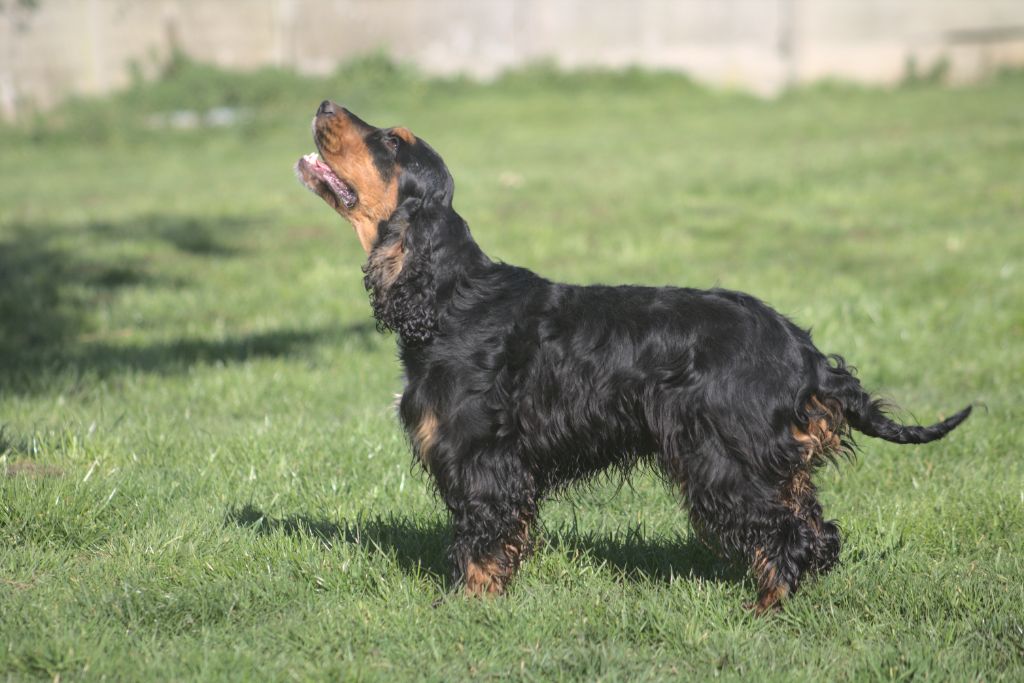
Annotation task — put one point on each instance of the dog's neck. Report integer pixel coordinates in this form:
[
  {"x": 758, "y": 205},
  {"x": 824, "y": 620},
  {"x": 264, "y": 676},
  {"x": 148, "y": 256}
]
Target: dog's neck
[{"x": 413, "y": 271}]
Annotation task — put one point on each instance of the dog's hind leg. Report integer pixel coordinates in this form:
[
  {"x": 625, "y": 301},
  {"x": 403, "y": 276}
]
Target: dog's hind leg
[
  {"x": 780, "y": 553},
  {"x": 754, "y": 519},
  {"x": 820, "y": 436},
  {"x": 797, "y": 540},
  {"x": 798, "y": 494}
]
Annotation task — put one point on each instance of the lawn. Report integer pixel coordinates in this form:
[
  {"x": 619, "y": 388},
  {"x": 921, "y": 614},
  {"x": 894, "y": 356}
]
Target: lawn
[{"x": 201, "y": 474}]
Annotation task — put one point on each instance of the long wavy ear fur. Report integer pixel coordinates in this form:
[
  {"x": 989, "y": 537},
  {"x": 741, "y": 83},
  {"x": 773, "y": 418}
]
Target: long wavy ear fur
[{"x": 398, "y": 276}]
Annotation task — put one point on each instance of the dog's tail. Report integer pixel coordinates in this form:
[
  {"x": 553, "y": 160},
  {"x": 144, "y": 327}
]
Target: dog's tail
[{"x": 869, "y": 415}]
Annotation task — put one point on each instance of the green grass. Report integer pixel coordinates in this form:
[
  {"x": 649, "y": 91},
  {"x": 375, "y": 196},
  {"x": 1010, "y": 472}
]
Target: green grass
[{"x": 204, "y": 476}]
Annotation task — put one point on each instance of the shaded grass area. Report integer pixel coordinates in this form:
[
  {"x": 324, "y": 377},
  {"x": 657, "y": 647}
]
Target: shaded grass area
[{"x": 203, "y": 477}]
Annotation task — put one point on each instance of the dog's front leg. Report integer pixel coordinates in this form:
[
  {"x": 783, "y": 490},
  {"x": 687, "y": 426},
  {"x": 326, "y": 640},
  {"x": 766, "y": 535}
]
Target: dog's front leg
[{"x": 492, "y": 499}]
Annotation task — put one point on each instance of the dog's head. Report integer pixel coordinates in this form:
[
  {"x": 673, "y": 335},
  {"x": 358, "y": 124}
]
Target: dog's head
[
  {"x": 396, "y": 192},
  {"x": 367, "y": 174}
]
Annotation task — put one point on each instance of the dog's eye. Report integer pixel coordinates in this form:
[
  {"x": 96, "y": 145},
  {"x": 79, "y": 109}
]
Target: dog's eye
[{"x": 391, "y": 142}]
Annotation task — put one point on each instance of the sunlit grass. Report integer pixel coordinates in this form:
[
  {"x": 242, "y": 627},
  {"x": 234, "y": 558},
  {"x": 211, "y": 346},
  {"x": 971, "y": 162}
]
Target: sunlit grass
[{"x": 204, "y": 476}]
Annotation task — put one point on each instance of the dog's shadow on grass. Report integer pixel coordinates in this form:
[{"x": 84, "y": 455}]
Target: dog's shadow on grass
[
  {"x": 641, "y": 557},
  {"x": 419, "y": 548}
]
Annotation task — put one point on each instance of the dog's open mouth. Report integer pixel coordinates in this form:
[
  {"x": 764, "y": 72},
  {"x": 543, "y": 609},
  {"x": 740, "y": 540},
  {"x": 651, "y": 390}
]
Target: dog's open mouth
[{"x": 318, "y": 176}]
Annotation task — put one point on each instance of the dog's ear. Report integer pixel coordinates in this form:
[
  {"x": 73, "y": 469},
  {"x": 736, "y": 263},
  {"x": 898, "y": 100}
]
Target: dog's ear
[
  {"x": 412, "y": 218},
  {"x": 398, "y": 273},
  {"x": 406, "y": 211},
  {"x": 445, "y": 192}
]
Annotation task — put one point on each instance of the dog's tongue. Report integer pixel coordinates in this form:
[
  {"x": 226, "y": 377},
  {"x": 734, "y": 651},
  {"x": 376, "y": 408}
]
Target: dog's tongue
[{"x": 325, "y": 172}]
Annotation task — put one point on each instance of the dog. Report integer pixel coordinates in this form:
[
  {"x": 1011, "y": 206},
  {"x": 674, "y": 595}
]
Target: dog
[{"x": 518, "y": 387}]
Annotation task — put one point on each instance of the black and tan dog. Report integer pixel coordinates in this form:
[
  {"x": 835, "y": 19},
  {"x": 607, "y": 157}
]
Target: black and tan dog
[{"x": 517, "y": 387}]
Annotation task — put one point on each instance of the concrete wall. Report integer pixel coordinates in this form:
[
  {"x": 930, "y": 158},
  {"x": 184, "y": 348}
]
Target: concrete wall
[{"x": 49, "y": 48}]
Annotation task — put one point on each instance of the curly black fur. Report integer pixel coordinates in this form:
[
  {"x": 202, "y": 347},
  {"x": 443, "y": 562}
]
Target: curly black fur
[{"x": 517, "y": 387}]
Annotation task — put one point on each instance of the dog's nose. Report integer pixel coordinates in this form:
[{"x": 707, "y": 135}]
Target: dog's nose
[{"x": 326, "y": 108}]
